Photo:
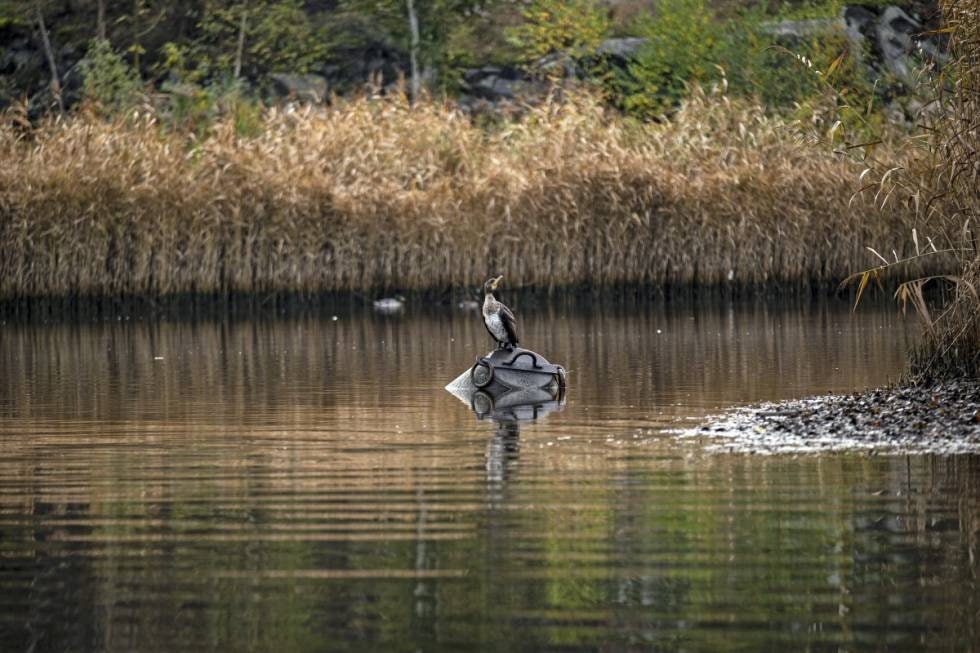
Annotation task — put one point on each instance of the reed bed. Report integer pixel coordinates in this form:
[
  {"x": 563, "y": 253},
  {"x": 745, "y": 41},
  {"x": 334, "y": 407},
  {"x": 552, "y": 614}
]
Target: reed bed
[
  {"x": 940, "y": 178},
  {"x": 372, "y": 194},
  {"x": 946, "y": 181}
]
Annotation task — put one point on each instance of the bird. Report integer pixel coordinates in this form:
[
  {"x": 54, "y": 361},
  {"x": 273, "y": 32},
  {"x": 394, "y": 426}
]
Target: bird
[
  {"x": 389, "y": 304},
  {"x": 498, "y": 319}
]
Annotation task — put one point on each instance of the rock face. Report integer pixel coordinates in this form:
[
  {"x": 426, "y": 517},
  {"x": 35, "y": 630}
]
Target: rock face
[
  {"x": 622, "y": 49},
  {"x": 495, "y": 82},
  {"x": 888, "y": 43},
  {"x": 499, "y": 89},
  {"x": 901, "y": 43},
  {"x": 883, "y": 39},
  {"x": 503, "y": 89},
  {"x": 886, "y": 40}
]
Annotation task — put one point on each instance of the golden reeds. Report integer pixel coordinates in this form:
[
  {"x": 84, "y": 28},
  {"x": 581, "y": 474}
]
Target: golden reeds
[
  {"x": 948, "y": 182},
  {"x": 372, "y": 193},
  {"x": 939, "y": 178}
]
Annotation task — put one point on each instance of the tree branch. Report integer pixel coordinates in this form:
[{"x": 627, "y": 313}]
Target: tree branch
[
  {"x": 413, "y": 26},
  {"x": 240, "y": 51},
  {"x": 49, "y": 54}
]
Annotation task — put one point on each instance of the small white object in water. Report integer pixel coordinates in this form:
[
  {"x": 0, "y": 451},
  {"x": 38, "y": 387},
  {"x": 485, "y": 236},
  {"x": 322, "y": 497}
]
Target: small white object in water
[
  {"x": 334, "y": 318},
  {"x": 389, "y": 304},
  {"x": 158, "y": 358}
]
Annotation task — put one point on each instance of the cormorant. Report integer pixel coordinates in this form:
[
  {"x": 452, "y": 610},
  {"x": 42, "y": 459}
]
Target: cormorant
[{"x": 498, "y": 319}]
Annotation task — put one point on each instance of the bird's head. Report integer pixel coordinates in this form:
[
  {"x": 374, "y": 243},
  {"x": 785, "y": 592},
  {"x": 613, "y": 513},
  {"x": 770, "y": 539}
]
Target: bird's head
[{"x": 491, "y": 285}]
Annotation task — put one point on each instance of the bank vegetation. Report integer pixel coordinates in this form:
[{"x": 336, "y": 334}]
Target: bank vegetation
[
  {"x": 939, "y": 177},
  {"x": 373, "y": 193}
]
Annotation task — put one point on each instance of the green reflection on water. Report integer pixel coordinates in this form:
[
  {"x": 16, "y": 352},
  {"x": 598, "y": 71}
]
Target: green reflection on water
[{"x": 300, "y": 485}]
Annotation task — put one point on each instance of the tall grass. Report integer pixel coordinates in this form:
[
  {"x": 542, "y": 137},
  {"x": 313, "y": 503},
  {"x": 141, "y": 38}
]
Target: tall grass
[
  {"x": 373, "y": 194},
  {"x": 951, "y": 179},
  {"x": 940, "y": 179}
]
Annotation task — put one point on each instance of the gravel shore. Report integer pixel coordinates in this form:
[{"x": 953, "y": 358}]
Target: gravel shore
[{"x": 943, "y": 418}]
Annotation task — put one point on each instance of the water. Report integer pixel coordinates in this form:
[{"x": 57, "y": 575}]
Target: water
[{"x": 307, "y": 484}]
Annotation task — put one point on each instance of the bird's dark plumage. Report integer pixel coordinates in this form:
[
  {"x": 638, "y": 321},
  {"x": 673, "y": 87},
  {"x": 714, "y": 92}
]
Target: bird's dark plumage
[{"x": 499, "y": 320}]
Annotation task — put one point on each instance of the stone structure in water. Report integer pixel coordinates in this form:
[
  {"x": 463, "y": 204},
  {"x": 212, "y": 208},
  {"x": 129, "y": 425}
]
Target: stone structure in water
[{"x": 509, "y": 385}]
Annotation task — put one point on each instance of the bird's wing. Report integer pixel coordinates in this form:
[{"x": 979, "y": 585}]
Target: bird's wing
[{"x": 510, "y": 323}]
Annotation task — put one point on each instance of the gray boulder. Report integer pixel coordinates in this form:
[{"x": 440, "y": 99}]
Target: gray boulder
[
  {"x": 496, "y": 83},
  {"x": 897, "y": 42},
  {"x": 902, "y": 44},
  {"x": 625, "y": 49},
  {"x": 797, "y": 30},
  {"x": 556, "y": 64},
  {"x": 308, "y": 88}
]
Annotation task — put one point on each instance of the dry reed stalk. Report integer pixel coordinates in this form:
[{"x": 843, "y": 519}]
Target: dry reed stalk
[
  {"x": 374, "y": 194},
  {"x": 947, "y": 193},
  {"x": 939, "y": 179}
]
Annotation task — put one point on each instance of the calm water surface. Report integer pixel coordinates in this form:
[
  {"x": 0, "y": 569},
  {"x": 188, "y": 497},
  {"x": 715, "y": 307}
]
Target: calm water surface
[{"x": 307, "y": 484}]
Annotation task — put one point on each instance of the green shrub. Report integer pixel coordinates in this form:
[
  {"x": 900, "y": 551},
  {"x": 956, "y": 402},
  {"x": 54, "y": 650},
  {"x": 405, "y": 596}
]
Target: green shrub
[
  {"x": 195, "y": 108},
  {"x": 573, "y": 26},
  {"x": 794, "y": 76},
  {"x": 279, "y": 37},
  {"x": 688, "y": 43},
  {"x": 683, "y": 42},
  {"x": 107, "y": 79}
]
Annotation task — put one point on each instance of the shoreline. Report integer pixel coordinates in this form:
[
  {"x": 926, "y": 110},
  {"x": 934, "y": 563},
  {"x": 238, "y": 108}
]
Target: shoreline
[
  {"x": 262, "y": 305},
  {"x": 942, "y": 418}
]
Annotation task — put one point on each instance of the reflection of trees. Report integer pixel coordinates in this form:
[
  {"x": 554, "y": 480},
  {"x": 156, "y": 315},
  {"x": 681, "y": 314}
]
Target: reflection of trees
[
  {"x": 624, "y": 552},
  {"x": 762, "y": 545}
]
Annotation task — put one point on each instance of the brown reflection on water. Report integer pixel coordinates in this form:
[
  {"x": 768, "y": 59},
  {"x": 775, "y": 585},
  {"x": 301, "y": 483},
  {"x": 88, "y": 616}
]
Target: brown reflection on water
[
  {"x": 307, "y": 484},
  {"x": 213, "y": 372}
]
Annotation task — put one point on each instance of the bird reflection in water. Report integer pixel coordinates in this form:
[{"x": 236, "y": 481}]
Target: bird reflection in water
[
  {"x": 530, "y": 395},
  {"x": 507, "y": 410},
  {"x": 503, "y": 450}
]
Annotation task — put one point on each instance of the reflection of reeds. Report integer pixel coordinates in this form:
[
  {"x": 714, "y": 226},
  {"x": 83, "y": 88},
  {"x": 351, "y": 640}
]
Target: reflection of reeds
[
  {"x": 305, "y": 372},
  {"x": 374, "y": 194}
]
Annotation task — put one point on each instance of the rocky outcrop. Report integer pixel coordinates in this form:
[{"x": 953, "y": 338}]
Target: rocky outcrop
[
  {"x": 621, "y": 49},
  {"x": 488, "y": 88},
  {"x": 903, "y": 43},
  {"x": 305, "y": 88},
  {"x": 884, "y": 40},
  {"x": 889, "y": 42},
  {"x": 499, "y": 90}
]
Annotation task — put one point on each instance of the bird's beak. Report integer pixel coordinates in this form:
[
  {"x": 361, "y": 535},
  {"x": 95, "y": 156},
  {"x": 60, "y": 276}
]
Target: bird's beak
[{"x": 497, "y": 281}]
